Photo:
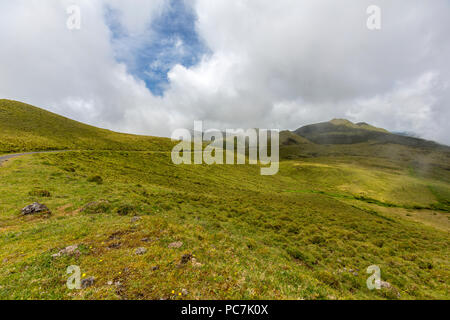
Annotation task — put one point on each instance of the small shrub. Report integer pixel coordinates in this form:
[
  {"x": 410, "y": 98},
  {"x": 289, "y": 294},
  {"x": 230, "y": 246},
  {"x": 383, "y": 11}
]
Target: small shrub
[
  {"x": 379, "y": 243},
  {"x": 96, "y": 179},
  {"x": 329, "y": 279},
  {"x": 96, "y": 207},
  {"x": 318, "y": 239},
  {"x": 40, "y": 193},
  {"x": 301, "y": 256},
  {"x": 425, "y": 265},
  {"x": 125, "y": 209},
  {"x": 251, "y": 244}
]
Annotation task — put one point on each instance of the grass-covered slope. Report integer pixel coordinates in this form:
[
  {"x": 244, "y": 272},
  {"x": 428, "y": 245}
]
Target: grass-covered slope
[
  {"x": 306, "y": 233},
  {"x": 27, "y": 128},
  {"x": 340, "y": 131},
  {"x": 309, "y": 232},
  {"x": 342, "y": 138}
]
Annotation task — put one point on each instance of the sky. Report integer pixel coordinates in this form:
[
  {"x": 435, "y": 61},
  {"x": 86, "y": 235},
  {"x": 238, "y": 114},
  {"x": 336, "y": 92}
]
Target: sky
[{"x": 152, "y": 66}]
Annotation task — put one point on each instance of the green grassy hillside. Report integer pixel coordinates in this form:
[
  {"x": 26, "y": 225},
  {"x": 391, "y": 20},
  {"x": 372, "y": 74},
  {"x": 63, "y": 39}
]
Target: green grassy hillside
[
  {"x": 341, "y": 138},
  {"x": 309, "y": 232},
  {"x": 27, "y": 128},
  {"x": 295, "y": 235},
  {"x": 339, "y": 131}
]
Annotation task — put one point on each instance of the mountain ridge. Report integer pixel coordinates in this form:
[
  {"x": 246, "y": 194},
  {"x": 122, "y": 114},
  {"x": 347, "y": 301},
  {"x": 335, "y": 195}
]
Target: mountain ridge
[
  {"x": 342, "y": 131},
  {"x": 24, "y": 127}
]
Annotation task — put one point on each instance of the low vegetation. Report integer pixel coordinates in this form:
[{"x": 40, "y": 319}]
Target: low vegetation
[
  {"x": 27, "y": 128},
  {"x": 145, "y": 228},
  {"x": 296, "y": 235}
]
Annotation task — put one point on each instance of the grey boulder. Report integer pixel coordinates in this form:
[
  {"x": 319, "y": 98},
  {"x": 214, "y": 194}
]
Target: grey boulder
[{"x": 35, "y": 208}]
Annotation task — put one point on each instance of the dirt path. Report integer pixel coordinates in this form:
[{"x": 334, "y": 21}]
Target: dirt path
[{"x": 15, "y": 155}]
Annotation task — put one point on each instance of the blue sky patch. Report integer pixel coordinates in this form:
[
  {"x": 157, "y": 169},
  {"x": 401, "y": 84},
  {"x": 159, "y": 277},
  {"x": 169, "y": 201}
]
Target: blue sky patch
[{"x": 170, "y": 39}]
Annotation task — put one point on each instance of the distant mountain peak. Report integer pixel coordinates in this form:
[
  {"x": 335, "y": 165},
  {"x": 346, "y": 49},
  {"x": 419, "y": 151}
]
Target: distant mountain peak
[
  {"x": 341, "y": 122},
  {"x": 343, "y": 131},
  {"x": 359, "y": 125}
]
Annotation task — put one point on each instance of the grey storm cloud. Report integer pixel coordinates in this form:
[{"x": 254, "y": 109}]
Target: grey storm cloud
[{"x": 273, "y": 64}]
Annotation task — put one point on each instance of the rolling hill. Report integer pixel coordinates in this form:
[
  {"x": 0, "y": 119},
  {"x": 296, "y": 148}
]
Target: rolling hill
[
  {"x": 145, "y": 228},
  {"x": 341, "y": 131},
  {"x": 27, "y": 128},
  {"x": 342, "y": 138}
]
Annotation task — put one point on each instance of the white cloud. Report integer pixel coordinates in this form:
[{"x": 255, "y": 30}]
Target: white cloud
[
  {"x": 408, "y": 105},
  {"x": 136, "y": 18},
  {"x": 272, "y": 64}
]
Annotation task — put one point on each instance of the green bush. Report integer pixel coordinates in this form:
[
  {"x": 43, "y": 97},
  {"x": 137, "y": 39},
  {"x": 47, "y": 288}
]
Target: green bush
[
  {"x": 329, "y": 279},
  {"x": 125, "y": 209},
  {"x": 301, "y": 256},
  {"x": 40, "y": 193},
  {"x": 96, "y": 179},
  {"x": 318, "y": 239},
  {"x": 96, "y": 207}
]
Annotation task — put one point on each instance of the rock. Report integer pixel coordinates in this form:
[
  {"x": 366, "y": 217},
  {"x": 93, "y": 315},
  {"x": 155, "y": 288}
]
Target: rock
[
  {"x": 184, "y": 292},
  {"x": 88, "y": 282},
  {"x": 69, "y": 251},
  {"x": 135, "y": 219},
  {"x": 385, "y": 284},
  {"x": 176, "y": 244},
  {"x": 155, "y": 268},
  {"x": 140, "y": 250},
  {"x": 35, "y": 208},
  {"x": 186, "y": 258},
  {"x": 195, "y": 263},
  {"x": 109, "y": 283}
]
